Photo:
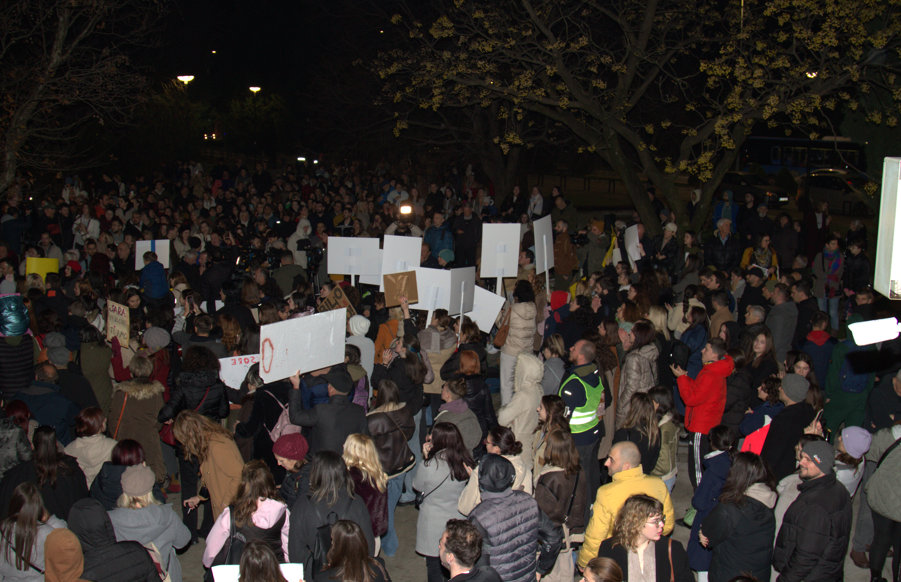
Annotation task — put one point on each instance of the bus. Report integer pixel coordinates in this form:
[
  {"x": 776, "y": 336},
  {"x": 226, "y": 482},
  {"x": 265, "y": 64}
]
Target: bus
[{"x": 802, "y": 156}]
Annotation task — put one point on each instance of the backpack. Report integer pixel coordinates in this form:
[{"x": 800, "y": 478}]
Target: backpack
[
  {"x": 852, "y": 382},
  {"x": 231, "y": 550},
  {"x": 679, "y": 354},
  {"x": 283, "y": 425},
  {"x": 322, "y": 542}
]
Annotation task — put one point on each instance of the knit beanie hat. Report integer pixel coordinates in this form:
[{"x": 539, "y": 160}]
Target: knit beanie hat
[
  {"x": 857, "y": 441},
  {"x": 54, "y": 339},
  {"x": 156, "y": 338},
  {"x": 447, "y": 255},
  {"x": 359, "y": 325},
  {"x": 74, "y": 265},
  {"x": 138, "y": 480},
  {"x": 795, "y": 387},
  {"x": 59, "y": 357},
  {"x": 822, "y": 454},
  {"x": 291, "y": 446}
]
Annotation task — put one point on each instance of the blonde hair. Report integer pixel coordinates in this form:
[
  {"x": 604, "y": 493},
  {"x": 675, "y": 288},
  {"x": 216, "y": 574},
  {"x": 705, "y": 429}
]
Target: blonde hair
[
  {"x": 583, "y": 288},
  {"x": 657, "y": 315},
  {"x": 140, "y": 367},
  {"x": 194, "y": 431},
  {"x": 360, "y": 452},
  {"x": 127, "y": 501},
  {"x": 34, "y": 281}
]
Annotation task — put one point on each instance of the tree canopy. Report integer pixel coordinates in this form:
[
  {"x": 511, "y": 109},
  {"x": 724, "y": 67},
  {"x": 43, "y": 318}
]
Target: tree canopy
[{"x": 656, "y": 88}]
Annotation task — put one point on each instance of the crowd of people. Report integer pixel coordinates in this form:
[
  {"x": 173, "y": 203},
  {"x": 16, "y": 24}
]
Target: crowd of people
[{"x": 542, "y": 447}]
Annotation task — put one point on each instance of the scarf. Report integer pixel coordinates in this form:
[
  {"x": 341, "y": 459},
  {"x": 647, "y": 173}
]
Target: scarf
[
  {"x": 834, "y": 263},
  {"x": 763, "y": 257}
]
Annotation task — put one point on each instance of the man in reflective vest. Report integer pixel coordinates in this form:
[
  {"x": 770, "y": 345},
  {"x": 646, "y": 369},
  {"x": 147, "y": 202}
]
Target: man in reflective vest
[{"x": 585, "y": 397}]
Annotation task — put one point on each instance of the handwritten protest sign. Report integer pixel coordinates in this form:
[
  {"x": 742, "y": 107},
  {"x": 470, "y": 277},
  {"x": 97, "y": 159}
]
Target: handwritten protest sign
[
  {"x": 303, "y": 344},
  {"x": 232, "y": 371},
  {"x": 117, "y": 324},
  {"x": 336, "y": 300},
  {"x": 400, "y": 284}
]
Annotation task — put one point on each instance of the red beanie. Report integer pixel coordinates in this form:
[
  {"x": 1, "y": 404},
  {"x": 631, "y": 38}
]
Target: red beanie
[{"x": 291, "y": 446}]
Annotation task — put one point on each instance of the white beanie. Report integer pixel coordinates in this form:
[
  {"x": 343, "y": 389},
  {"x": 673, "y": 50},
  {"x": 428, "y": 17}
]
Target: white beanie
[{"x": 359, "y": 325}]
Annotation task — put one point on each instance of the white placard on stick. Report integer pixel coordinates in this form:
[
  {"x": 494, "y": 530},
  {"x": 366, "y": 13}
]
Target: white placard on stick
[
  {"x": 631, "y": 242},
  {"x": 485, "y": 307},
  {"x": 232, "y": 371},
  {"x": 353, "y": 256},
  {"x": 399, "y": 254},
  {"x": 463, "y": 282},
  {"x": 434, "y": 289},
  {"x": 304, "y": 344},
  {"x": 500, "y": 250},
  {"x": 160, "y": 247},
  {"x": 544, "y": 245}
]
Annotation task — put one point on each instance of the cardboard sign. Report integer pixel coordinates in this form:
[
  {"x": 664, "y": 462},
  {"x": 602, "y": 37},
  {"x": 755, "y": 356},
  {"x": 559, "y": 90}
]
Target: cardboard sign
[
  {"x": 462, "y": 289},
  {"x": 41, "y": 266},
  {"x": 160, "y": 247},
  {"x": 353, "y": 256},
  {"x": 117, "y": 323},
  {"x": 500, "y": 250},
  {"x": 303, "y": 344},
  {"x": 400, "y": 254},
  {"x": 485, "y": 308},
  {"x": 232, "y": 371},
  {"x": 400, "y": 284},
  {"x": 336, "y": 300},
  {"x": 544, "y": 245}
]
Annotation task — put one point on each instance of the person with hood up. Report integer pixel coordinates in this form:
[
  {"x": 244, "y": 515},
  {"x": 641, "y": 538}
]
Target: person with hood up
[
  {"x": 705, "y": 401},
  {"x": 65, "y": 561},
  {"x": 521, "y": 411},
  {"x": 514, "y": 529},
  {"x": 105, "y": 559},
  {"x": 141, "y": 518},
  {"x": 358, "y": 327},
  {"x": 519, "y": 316},
  {"x": 741, "y": 529}
]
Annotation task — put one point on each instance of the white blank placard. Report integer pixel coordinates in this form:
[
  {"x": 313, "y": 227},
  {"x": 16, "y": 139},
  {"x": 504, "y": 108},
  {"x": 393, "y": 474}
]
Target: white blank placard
[
  {"x": 500, "y": 250},
  {"x": 305, "y": 344},
  {"x": 377, "y": 278},
  {"x": 887, "y": 275},
  {"x": 485, "y": 307},
  {"x": 544, "y": 245},
  {"x": 463, "y": 282},
  {"x": 353, "y": 256},
  {"x": 399, "y": 254},
  {"x": 160, "y": 247},
  {"x": 231, "y": 572},
  {"x": 434, "y": 289}
]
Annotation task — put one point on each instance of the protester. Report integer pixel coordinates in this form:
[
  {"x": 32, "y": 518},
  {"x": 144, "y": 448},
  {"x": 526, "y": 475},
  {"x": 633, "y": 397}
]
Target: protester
[
  {"x": 459, "y": 550},
  {"x": 500, "y": 441},
  {"x": 91, "y": 448},
  {"x": 370, "y": 481},
  {"x": 25, "y": 529}
]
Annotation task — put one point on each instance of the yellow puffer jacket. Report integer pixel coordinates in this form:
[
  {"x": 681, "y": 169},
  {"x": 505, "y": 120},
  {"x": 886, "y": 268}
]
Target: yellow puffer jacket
[{"x": 611, "y": 497}]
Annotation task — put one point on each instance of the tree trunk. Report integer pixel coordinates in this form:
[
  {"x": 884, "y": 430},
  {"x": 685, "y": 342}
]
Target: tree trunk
[{"x": 503, "y": 171}]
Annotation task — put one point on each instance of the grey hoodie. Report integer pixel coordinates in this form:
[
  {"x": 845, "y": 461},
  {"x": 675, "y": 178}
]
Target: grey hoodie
[{"x": 157, "y": 524}]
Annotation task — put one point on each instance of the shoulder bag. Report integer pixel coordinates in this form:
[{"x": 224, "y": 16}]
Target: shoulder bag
[
  {"x": 121, "y": 412},
  {"x": 166, "y": 434},
  {"x": 504, "y": 330}
]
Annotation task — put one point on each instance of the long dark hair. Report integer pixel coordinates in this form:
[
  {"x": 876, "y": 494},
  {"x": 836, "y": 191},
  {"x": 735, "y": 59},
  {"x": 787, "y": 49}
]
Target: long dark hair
[
  {"x": 328, "y": 475},
  {"x": 448, "y": 442},
  {"x": 349, "y": 554},
  {"x": 583, "y": 316},
  {"x": 258, "y": 562},
  {"x": 256, "y": 483},
  {"x": 388, "y": 394},
  {"x": 644, "y": 333},
  {"x": 48, "y": 461},
  {"x": 747, "y": 469},
  {"x": 413, "y": 364},
  {"x": 561, "y": 451},
  {"x": 504, "y": 439},
  {"x": 20, "y": 526},
  {"x": 556, "y": 414}
]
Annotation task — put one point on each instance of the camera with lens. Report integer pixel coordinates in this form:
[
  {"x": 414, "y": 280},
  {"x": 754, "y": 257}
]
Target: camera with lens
[{"x": 579, "y": 239}]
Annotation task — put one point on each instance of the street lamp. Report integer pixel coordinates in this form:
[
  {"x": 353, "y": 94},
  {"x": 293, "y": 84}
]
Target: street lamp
[
  {"x": 185, "y": 79},
  {"x": 254, "y": 89}
]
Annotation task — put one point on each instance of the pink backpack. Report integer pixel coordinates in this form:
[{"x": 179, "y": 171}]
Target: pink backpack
[{"x": 283, "y": 425}]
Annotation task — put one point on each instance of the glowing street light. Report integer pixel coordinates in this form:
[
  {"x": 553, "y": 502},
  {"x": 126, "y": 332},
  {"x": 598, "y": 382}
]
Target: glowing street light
[
  {"x": 185, "y": 79},
  {"x": 254, "y": 89}
]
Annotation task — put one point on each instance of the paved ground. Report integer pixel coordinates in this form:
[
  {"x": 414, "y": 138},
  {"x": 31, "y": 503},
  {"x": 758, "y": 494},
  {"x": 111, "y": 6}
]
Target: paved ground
[{"x": 407, "y": 566}]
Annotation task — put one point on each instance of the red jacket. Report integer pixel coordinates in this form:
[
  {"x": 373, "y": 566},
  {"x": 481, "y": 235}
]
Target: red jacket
[{"x": 705, "y": 396}]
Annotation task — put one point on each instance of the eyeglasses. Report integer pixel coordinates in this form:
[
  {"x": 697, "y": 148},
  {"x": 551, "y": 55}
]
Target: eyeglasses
[{"x": 657, "y": 522}]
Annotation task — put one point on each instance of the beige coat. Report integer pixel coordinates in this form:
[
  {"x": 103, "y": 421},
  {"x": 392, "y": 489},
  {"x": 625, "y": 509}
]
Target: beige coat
[
  {"x": 221, "y": 472},
  {"x": 521, "y": 413},
  {"x": 438, "y": 344},
  {"x": 91, "y": 452},
  {"x": 522, "y": 328},
  {"x": 521, "y": 482}
]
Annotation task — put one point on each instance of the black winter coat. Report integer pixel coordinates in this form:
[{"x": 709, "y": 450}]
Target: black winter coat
[
  {"x": 107, "y": 486},
  {"x": 786, "y": 431},
  {"x": 307, "y": 516},
  {"x": 741, "y": 537},
  {"x": 724, "y": 256},
  {"x": 71, "y": 485},
  {"x": 813, "y": 541},
  {"x": 680, "y": 572},
  {"x": 188, "y": 393},
  {"x": 264, "y": 416},
  {"x": 391, "y": 430},
  {"x": 478, "y": 398},
  {"x": 14, "y": 446},
  {"x": 396, "y": 371},
  {"x": 451, "y": 367},
  {"x": 331, "y": 422},
  {"x": 739, "y": 393},
  {"x": 857, "y": 272},
  {"x": 105, "y": 559},
  {"x": 16, "y": 365}
]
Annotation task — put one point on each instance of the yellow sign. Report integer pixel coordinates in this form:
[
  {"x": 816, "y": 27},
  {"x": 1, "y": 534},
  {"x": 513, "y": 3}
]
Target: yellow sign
[
  {"x": 117, "y": 324},
  {"x": 41, "y": 266}
]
